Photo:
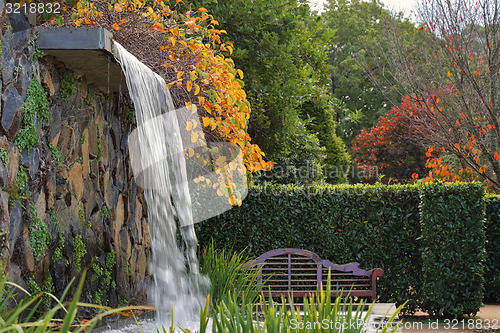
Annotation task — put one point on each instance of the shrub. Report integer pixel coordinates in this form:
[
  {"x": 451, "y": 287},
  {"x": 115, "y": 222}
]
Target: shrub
[
  {"x": 377, "y": 226},
  {"x": 492, "y": 263},
  {"x": 453, "y": 240}
]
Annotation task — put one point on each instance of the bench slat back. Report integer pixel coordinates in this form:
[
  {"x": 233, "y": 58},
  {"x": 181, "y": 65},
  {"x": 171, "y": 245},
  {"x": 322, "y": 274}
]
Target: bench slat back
[{"x": 302, "y": 271}]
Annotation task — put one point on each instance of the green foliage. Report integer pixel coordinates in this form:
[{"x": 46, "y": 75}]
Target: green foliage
[
  {"x": 375, "y": 225},
  {"x": 283, "y": 50},
  {"x": 18, "y": 70},
  {"x": 228, "y": 275},
  {"x": 4, "y": 156},
  {"x": 108, "y": 269},
  {"x": 56, "y": 155},
  {"x": 22, "y": 316},
  {"x": 320, "y": 313},
  {"x": 36, "y": 104},
  {"x": 20, "y": 189},
  {"x": 338, "y": 161},
  {"x": 69, "y": 86},
  {"x": 300, "y": 161},
  {"x": 79, "y": 251},
  {"x": 81, "y": 214},
  {"x": 60, "y": 243},
  {"x": 105, "y": 212},
  {"x": 37, "y": 54},
  {"x": 360, "y": 27},
  {"x": 126, "y": 267},
  {"x": 38, "y": 233},
  {"x": 453, "y": 242},
  {"x": 492, "y": 263},
  {"x": 90, "y": 97},
  {"x": 96, "y": 267}
]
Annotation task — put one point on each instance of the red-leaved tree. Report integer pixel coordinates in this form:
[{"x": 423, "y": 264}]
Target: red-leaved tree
[{"x": 389, "y": 149}]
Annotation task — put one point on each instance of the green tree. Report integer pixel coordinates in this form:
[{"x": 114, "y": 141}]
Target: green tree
[
  {"x": 283, "y": 50},
  {"x": 322, "y": 123},
  {"x": 359, "y": 29}
]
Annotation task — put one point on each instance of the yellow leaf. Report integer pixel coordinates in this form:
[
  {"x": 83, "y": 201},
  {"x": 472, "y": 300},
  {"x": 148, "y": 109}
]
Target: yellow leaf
[
  {"x": 220, "y": 192},
  {"x": 194, "y": 137},
  {"x": 196, "y": 89},
  {"x": 191, "y": 153},
  {"x": 230, "y": 49},
  {"x": 179, "y": 75},
  {"x": 232, "y": 201},
  {"x": 240, "y": 73},
  {"x": 192, "y": 75},
  {"x": 189, "y": 125},
  {"x": 206, "y": 121},
  {"x": 193, "y": 108},
  {"x": 189, "y": 85}
]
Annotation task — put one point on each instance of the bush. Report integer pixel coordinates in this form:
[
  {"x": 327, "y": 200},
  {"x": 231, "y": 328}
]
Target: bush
[
  {"x": 453, "y": 240},
  {"x": 492, "y": 263},
  {"x": 377, "y": 226}
]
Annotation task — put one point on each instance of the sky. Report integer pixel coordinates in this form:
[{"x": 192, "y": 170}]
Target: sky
[{"x": 405, "y": 6}]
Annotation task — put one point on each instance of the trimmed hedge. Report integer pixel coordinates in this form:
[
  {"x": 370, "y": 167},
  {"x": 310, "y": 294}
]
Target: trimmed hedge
[
  {"x": 453, "y": 240},
  {"x": 375, "y": 225},
  {"x": 492, "y": 264}
]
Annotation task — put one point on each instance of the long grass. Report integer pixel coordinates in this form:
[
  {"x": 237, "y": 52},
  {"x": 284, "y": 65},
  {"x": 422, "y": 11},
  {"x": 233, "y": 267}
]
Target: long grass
[
  {"x": 230, "y": 273},
  {"x": 23, "y": 316},
  {"x": 319, "y": 314}
]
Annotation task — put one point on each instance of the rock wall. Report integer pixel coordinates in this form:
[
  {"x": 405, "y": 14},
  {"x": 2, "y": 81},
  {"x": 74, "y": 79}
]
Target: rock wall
[{"x": 68, "y": 200}]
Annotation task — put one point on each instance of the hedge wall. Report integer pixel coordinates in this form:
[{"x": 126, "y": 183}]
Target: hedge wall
[
  {"x": 492, "y": 264},
  {"x": 377, "y": 226},
  {"x": 453, "y": 240}
]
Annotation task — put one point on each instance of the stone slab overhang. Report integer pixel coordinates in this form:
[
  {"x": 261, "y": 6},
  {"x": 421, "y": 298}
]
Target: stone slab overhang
[{"x": 86, "y": 51}]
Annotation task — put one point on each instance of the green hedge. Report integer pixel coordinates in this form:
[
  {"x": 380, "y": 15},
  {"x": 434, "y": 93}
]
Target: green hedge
[
  {"x": 492, "y": 264},
  {"x": 453, "y": 238},
  {"x": 439, "y": 270},
  {"x": 377, "y": 226}
]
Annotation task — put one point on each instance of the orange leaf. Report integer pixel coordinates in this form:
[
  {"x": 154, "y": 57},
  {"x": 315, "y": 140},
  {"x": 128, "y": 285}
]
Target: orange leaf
[
  {"x": 179, "y": 75},
  {"x": 206, "y": 121},
  {"x": 196, "y": 89},
  {"x": 116, "y": 26},
  {"x": 449, "y": 73},
  {"x": 118, "y": 7},
  {"x": 189, "y": 85}
]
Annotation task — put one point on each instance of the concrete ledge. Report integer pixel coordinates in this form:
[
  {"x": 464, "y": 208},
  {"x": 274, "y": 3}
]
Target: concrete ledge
[{"x": 86, "y": 51}]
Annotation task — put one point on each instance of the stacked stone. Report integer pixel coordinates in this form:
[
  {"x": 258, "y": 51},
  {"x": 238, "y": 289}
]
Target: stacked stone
[{"x": 89, "y": 193}]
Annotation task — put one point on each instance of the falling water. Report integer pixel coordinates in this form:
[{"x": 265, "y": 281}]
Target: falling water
[{"x": 160, "y": 156}]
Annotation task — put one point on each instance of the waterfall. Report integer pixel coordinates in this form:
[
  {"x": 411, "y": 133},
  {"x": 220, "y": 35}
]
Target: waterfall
[{"x": 159, "y": 154}]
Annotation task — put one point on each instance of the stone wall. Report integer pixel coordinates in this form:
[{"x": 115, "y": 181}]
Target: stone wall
[{"x": 68, "y": 200}]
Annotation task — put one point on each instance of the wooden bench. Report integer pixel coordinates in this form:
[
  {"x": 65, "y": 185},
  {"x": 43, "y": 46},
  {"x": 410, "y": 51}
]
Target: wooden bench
[{"x": 299, "y": 272}]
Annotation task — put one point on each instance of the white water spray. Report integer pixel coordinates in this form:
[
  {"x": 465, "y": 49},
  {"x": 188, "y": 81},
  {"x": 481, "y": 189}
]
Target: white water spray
[{"x": 160, "y": 153}]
